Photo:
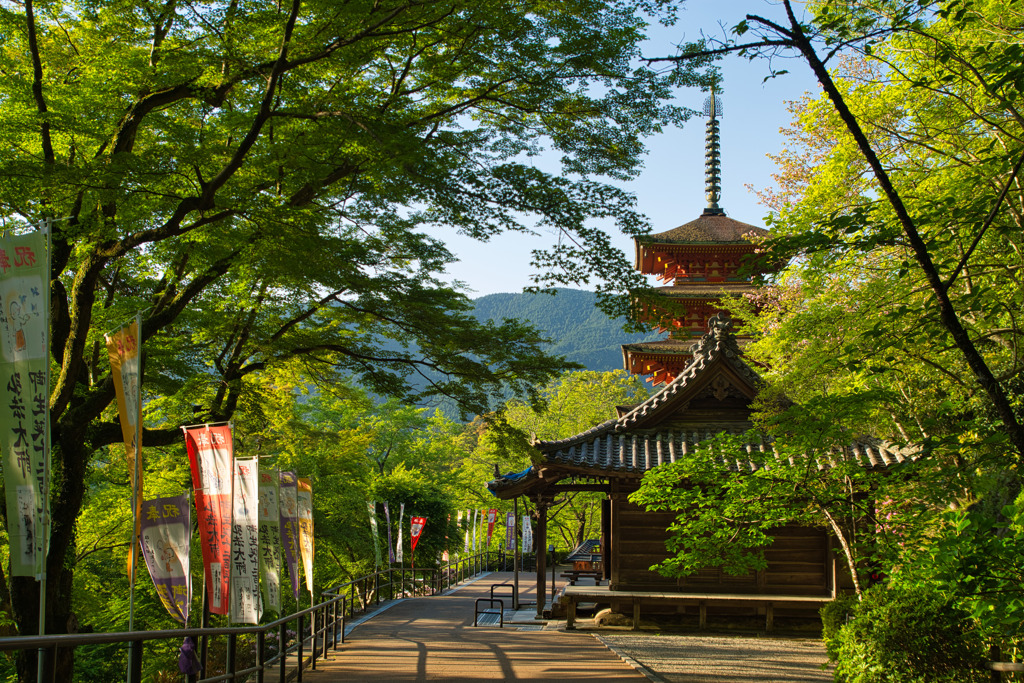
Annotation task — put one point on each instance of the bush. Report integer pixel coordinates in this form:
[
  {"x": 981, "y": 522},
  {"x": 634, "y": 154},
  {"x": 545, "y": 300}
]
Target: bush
[
  {"x": 909, "y": 635},
  {"x": 834, "y": 616}
]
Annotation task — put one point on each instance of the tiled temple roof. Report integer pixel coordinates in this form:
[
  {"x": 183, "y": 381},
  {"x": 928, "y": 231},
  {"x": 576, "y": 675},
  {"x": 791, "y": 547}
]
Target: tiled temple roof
[
  {"x": 633, "y": 443},
  {"x": 637, "y": 453},
  {"x": 707, "y": 229},
  {"x": 704, "y": 290},
  {"x": 680, "y": 346}
]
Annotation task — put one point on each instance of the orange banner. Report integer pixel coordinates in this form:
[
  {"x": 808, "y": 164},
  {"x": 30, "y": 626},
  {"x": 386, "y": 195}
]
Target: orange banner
[{"x": 123, "y": 351}]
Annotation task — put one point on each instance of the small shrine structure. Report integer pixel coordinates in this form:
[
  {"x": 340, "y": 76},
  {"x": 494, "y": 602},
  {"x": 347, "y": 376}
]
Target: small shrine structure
[{"x": 712, "y": 395}]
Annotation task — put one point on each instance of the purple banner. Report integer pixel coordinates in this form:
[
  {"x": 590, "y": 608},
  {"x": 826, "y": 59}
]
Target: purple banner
[
  {"x": 290, "y": 527},
  {"x": 165, "y": 545},
  {"x": 510, "y": 531}
]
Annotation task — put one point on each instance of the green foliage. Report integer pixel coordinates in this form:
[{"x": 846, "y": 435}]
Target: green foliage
[
  {"x": 729, "y": 498},
  {"x": 973, "y": 558},
  {"x": 857, "y": 314},
  {"x": 258, "y": 178},
  {"x": 422, "y": 499},
  {"x": 903, "y": 635},
  {"x": 835, "y": 615},
  {"x": 573, "y": 403}
]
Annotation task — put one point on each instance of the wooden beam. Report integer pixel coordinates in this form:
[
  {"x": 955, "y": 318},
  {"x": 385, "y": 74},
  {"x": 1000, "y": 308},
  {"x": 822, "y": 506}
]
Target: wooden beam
[{"x": 604, "y": 488}]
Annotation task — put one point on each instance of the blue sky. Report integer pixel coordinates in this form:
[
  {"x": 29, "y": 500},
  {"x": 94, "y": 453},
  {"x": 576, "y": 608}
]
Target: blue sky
[{"x": 670, "y": 191}]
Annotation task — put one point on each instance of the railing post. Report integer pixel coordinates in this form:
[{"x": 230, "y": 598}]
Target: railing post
[
  {"x": 343, "y": 619},
  {"x": 299, "y": 638},
  {"x": 282, "y": 653},
  {"x": 995, "y": 654},
  {"x": 323, "y": 620},
  {"x": 135, "y": 675},
  {"x": 229, "y": 663},
  {"x": 312, "y": 643},
  {"x": 334, "y": 623},
  {"x": 261, "y": 654}
]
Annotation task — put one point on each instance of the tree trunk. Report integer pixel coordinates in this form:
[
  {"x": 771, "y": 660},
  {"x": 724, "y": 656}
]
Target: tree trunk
[
  {"x": 948, "y": 316},
  {"x": 66, "y": 493}
]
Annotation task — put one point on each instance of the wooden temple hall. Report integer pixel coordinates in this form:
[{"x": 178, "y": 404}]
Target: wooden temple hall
[{"x": 706, "y": 388}]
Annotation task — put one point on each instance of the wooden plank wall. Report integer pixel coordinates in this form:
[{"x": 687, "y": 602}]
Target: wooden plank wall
[{"x": 799, "y": 561}]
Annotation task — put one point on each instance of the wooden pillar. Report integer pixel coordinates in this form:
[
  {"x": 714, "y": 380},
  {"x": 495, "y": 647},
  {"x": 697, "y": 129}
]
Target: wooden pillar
[
  {"x": 606, "y": 537},
  {"x": 516, "y": 555},
  {"x": 541, "y": 544}
]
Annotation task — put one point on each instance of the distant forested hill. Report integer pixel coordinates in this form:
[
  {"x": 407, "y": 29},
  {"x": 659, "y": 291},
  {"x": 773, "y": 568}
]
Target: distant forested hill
[{"x": 577, "y": 328}]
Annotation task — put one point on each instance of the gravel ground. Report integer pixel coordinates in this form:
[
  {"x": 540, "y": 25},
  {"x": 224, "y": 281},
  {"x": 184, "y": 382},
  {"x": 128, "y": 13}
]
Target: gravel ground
[{"x": 676, "y": 658}]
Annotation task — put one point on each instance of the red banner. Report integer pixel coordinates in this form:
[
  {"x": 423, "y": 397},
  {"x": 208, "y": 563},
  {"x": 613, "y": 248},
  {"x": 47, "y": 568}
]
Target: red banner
[
  {"x": 417, "y": 529},
  {"x": 210, "y": 457},
  {"x": 492, "y": 515}
]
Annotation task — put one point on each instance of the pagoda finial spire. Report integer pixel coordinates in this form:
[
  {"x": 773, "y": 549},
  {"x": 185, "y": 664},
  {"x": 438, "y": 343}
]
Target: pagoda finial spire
[{"x": 712, "y": 155}]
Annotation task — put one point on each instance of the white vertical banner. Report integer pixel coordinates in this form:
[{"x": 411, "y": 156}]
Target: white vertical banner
[
  {"x": 24, "y": 381},
  {"x": 527, "y": 535},
  {"x": 270, "y": 537},
  {"x": 398, "y": 546},
  {"x": 304, "y": 503},
  {"x": 245, "y": 545},
  {"x": 465, "y": 547},
  {"x": 371, "y": 508},
  {"x": 510, "y": 531},
  {"x": 476, "y": 523}
]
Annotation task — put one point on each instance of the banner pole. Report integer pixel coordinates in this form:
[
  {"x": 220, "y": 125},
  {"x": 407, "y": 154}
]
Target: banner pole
[
  {"x": 136, "y": 488},
  {"x": 208, "y": 425},
  {"x": 47, "y": 228},
  {"x": 516, "y": 558}
]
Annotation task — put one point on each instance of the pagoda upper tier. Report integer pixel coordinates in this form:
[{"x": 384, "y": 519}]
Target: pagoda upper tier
[
  {"x": 702, "y": 261},
  {"x": 709, "y": 249}
]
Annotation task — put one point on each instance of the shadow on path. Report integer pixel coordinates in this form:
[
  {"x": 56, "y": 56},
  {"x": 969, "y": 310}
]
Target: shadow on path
[{"x": 433, "y": 639}]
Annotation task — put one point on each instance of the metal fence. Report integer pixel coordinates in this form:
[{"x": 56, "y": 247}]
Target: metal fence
[{"x": 279, "y": 650}]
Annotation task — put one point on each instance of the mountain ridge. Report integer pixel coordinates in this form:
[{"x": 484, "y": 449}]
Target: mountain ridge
[{"x": 571, "y": 320}]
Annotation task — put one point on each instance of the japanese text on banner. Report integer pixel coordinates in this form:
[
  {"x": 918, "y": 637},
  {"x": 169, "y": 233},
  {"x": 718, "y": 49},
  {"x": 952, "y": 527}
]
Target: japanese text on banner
[
  {"x": 245, "y": 545},
  {"x": 270, "y": 537},
  {"x": 290, "y": 527},
  {"x": 24, "y": 319},
  {"x": 165, "y": 534},
  {"x": 210, "y": 457}
]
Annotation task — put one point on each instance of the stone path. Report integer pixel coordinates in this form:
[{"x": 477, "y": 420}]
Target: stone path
[{"x": 433, "y": 639}]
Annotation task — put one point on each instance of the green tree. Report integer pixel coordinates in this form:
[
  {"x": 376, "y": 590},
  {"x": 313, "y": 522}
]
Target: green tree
[
  {"x": 256, "y": 176},
  {"x": 926, "y": 144},
  {"x": 898, "y": 315},
  {"x": 573, "y": 403}
]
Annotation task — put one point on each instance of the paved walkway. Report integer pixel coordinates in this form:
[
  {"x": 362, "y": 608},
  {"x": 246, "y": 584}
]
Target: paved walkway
[{"x": 433, "y": 639}]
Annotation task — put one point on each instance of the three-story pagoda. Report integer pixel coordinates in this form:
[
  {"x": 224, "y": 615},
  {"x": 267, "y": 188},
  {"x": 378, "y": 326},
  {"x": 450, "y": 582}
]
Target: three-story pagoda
[{"x": 701, "y": 263}]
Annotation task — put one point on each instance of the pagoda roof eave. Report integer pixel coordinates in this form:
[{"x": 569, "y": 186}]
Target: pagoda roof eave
[
  {"x": 705, "y": 230},
  {"x": 665, "y": 346}
]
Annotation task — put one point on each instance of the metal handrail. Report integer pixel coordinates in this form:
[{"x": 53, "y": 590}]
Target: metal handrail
[
  {"x": 136, "y": 638},
  {"x": 326, "y": 625}
]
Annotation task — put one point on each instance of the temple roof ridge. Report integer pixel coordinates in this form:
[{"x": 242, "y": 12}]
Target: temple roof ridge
[
  {"x": 707, "y": 229},
  {"x": 718, "y": 342}
]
